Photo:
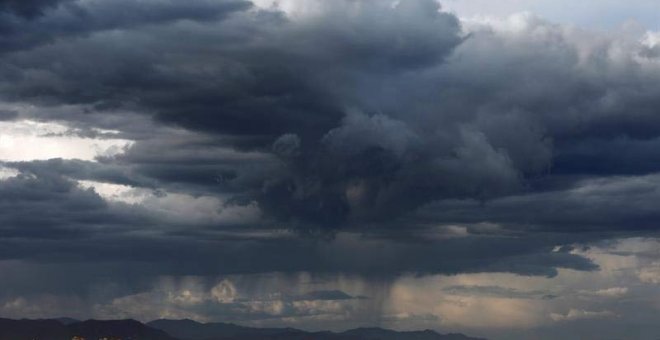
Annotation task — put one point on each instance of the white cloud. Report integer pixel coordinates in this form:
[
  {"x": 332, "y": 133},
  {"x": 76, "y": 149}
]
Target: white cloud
[
  {"x": 6, "y": 173},
  {"x": 117, "y": 192},
  {"x": 577, "y": 314},
  {"x": 607, "y": 292},
  {"x": 224, "y": 292},
  {"x": 650, "y": 274},
  {"x": 178, "y": 207}
]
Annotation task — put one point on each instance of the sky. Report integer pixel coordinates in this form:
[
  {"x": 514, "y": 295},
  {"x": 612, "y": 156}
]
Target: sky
[
  {"x": 463, "y": 166},
  {"x": 603, "y": 14}
]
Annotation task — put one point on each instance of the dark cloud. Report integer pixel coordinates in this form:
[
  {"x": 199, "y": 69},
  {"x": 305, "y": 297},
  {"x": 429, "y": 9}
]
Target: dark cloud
[
  {"x": 25, "y": 24},
  {"x": 602, "y": 156},
  {"x": 370, "y": 115},
  {"x": 326, "y": 295},
  {"x": 80, "y": 170},
  {"x": 46, "y": 207},
  {"x": 275, "y": 79},
  {"x": 618, "y": 204},
  {"x": 8, "y": 115},
  {"x": 75, "y": 226},
  {"x": 366, "y": 139},
  {"x": 331, "y": 121},
  {"x": 28, "y": 8}
]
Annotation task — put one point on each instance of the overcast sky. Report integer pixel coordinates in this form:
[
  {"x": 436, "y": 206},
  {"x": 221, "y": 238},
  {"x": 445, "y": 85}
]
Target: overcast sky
[{"x": 483, "y": 167}]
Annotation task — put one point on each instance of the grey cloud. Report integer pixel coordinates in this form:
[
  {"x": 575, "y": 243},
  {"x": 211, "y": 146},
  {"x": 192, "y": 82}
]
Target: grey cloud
[
  {"x": 288, "y": 145},
  {"x": 602, "y": 157},
  {"x": 6, "y": 115},
  {"x": 53, "y": 207},
  {"x": 617, "y": 204},
  {"x": 403, "y": 145},
  {"x": 82, "y": 170},
  {"x": 366, "y": 119},
  {"x": 498, "y": 292},
  {"x": 254, "y": 95},
  {"x": 28, "y": 24},
  {"x": 327, "y": 295},
  {"x": 380, "y": 128},
  {"x": 28, "y": 8}
]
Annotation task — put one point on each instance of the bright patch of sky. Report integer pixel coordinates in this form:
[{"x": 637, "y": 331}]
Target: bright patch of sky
[
  {"x": 598, "y": 14},
  {"x": 629, "y": 274},
  {"x": 27, "y": 140}
]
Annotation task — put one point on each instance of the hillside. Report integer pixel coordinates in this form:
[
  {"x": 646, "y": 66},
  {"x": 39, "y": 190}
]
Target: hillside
[
  {"x": 191, "y": 330},
  {"x": 68, "y": 329}
]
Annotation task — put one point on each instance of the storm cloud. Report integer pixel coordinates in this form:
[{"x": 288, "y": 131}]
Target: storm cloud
[
  {"x": 352, "y": 116},
  {"x": 366, "y": 138}
]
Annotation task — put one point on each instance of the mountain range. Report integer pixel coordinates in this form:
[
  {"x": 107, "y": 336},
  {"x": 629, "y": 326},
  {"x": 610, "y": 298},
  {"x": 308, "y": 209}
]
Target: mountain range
[{"x": 68, "y": 329}]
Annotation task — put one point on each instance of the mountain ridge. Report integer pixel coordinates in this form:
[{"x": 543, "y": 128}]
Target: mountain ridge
[
  {"x": 68, "y": 329},
  {"x": 60, "y": 329},
  {"x": 193, "y": 330}
]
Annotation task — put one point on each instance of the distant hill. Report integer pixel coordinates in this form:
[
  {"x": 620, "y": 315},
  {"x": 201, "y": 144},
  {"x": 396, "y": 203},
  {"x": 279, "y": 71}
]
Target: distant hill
[
  {"x": 384, "y": 334},
  {"x": 124, "y": 329},
  {"x": 90, "y": 330},
  {"x": 67, "y": 321},
  {"x": 192, "y": 330},
  {"x": 33, "y": 329},
  {"x": 67, "y": 329}
]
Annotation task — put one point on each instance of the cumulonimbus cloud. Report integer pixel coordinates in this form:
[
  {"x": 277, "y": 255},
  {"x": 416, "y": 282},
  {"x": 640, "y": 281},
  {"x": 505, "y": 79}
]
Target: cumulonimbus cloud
[{"x": 396, "y": 125}]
